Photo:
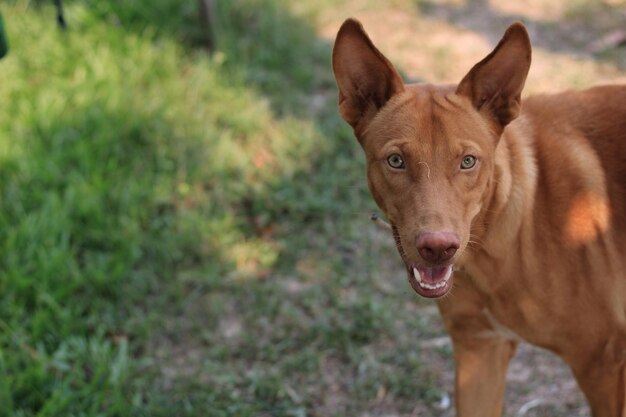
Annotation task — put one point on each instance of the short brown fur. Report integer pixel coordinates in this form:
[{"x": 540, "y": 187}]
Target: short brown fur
[{"x": 540, "y": 217}]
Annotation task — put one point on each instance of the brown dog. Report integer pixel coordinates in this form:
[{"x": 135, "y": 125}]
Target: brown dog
[{"x": 528, "y": 205}]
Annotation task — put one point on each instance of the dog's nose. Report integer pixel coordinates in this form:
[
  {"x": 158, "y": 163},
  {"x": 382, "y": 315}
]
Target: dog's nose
[{"x": 437, "y": 247}]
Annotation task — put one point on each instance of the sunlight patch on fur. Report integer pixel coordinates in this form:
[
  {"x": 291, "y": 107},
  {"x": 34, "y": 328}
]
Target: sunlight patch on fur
[{"x": 588, "y": 217}]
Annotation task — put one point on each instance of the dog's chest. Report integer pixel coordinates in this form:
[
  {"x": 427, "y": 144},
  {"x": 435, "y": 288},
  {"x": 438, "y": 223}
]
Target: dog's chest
[
  {"x": 498, "y": 329},
  {"x": 518, "y": 311}
]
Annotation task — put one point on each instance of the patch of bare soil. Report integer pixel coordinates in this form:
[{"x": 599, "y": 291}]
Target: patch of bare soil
[{"x": 540, "y": 384}]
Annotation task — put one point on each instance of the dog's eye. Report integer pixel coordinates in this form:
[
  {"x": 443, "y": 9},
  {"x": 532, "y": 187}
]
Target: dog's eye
[
  {"x": 395, "y": 161},
  {"x": 468, "y": 162}
]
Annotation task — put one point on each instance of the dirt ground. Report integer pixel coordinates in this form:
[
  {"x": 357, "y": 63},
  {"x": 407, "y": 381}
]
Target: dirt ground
[{"x": 576, "y": 45}]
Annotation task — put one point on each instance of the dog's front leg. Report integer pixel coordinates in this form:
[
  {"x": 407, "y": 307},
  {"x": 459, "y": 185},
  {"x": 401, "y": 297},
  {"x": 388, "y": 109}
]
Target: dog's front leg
[
  {"x": 481, "y": 367},
  {"x": 482, "y": 355}
]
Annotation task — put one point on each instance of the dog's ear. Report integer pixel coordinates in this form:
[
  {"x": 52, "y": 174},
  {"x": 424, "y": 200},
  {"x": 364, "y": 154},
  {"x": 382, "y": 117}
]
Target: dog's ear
[
  {"x": 366, "y": 79},
  {"x": 495, "y": 84}
]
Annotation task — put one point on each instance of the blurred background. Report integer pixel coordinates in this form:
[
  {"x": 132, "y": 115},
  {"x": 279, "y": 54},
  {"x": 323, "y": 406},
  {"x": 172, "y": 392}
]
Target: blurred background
[{"x": 184, "y": 218}]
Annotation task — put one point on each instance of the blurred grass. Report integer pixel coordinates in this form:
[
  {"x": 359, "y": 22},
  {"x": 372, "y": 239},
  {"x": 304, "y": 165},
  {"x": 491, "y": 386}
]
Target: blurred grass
[{"x": 183, "y": 233}]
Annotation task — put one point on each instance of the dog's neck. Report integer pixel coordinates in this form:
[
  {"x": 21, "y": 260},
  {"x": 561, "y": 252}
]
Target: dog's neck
[{"x": 510, "y": 197}]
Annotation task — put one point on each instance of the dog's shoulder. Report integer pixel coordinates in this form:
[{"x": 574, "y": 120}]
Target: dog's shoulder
[{"x": 579, "y": 142}]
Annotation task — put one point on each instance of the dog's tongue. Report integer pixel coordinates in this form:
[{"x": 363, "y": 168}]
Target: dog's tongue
[{"x": 432, "y": 274}]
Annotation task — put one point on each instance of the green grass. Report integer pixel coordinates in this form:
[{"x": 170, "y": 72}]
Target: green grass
[{"x": 183, "y": 233}]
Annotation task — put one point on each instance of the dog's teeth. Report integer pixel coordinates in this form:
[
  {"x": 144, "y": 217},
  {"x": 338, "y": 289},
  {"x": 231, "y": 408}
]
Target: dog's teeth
[
  {"x": 416, "y": 274},
  {"x": 427, "y": 286}
]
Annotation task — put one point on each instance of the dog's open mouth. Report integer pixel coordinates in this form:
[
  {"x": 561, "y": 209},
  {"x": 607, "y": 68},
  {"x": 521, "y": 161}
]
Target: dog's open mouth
[
  {"x": 427, "y": 281},
  {"x": 431, "y": 281}
]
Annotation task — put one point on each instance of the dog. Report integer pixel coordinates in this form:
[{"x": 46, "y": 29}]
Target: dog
[{"x": 513, "y": 217}]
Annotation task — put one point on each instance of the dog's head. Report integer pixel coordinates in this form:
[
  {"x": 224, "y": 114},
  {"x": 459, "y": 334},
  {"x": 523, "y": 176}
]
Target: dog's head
[{"x": 430, "y": 150}]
